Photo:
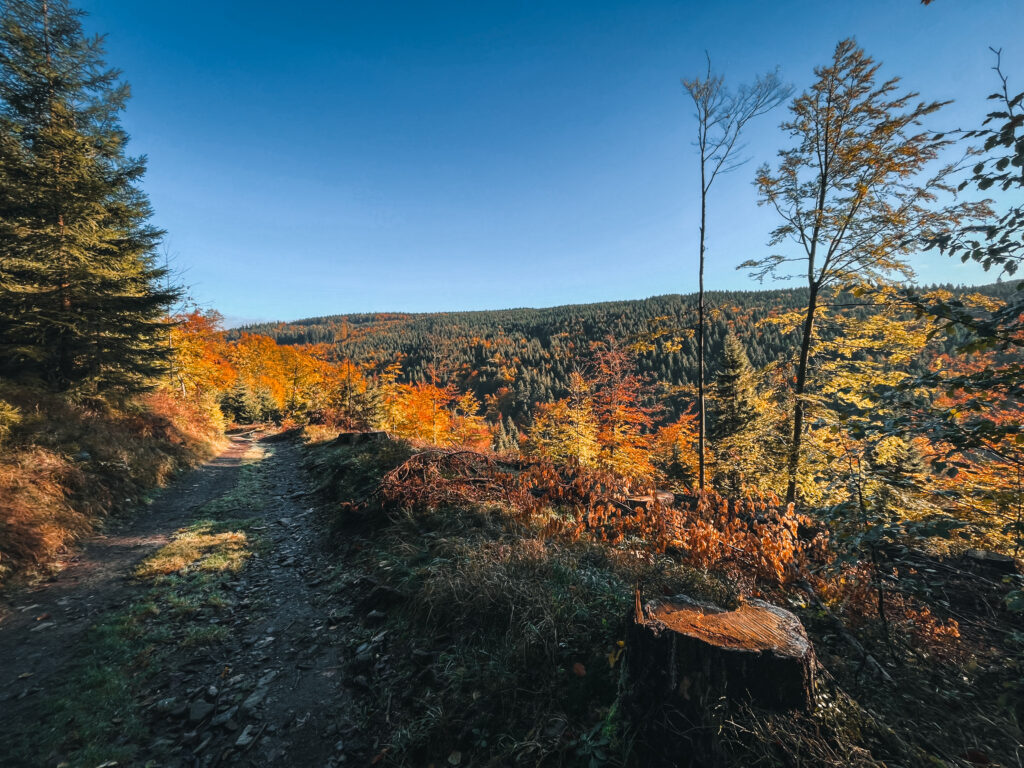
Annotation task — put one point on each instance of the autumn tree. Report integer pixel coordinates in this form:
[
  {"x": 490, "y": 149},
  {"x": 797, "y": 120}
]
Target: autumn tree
[
  {"x": 468, "y": 426},
  {"x": 853, "y": 196},
  {"x": 81, "y": 300},
  {"x": 674, "y": 453},
  {"x": 623, "y": 417},
  {"x": 566, "y": 431},
  {"x": 974, "y": 415},
  {"x": 721, "y": 116}
]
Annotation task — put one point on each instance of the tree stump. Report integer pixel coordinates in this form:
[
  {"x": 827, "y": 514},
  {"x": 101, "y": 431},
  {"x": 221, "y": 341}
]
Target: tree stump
[
  {"x": 688, "y": 655},
  {"x": 665, "y": 498},
  {"x": 354, "y": 438}
]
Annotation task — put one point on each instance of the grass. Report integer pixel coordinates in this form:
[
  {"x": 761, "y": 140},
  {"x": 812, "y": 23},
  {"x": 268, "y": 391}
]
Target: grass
[
  {"x": 205, "y": 545},
  {"x": 504, "y": 646},
  {"x": 95, "y": 715},
  {"x": 501, "y": 645},
  {"x": 65, "y": 467}
]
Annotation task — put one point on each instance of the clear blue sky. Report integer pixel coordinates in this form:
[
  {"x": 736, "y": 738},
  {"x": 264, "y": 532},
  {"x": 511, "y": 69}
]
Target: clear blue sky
[{"x": 313, "y": 158}]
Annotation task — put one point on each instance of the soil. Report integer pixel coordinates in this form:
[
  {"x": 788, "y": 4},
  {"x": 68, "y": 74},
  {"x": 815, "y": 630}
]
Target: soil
[{"x": 282, "y": 658}]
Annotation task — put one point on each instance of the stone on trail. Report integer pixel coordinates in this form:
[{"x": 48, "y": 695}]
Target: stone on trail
[
  {"x": 255, "y": 699},
  {"x": 223, "y": 717},
  {"x": 199, "y": 710},
  {"x": 246, "y": 737}
]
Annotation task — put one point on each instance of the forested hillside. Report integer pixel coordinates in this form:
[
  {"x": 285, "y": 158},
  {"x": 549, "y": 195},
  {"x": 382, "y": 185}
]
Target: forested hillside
[
  {"x": 751, "y": 528},
  {"x": 530, "y": 353}
]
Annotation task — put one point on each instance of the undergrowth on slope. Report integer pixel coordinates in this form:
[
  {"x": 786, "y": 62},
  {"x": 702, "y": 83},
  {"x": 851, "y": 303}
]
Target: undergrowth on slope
[
  {"x": 65, "y": 467},
  {"x": 492, "y": 637},
  {"x": 502, "y": 644},
  {"x": 95, "y": 715}
]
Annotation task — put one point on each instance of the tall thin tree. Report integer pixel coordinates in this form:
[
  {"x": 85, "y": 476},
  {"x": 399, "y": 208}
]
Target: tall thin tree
[{"x": 721, "y": 117}]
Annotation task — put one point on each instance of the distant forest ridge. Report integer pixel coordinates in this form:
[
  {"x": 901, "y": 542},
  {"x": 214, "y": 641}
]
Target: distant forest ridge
[{"x": 526, "y": 354}]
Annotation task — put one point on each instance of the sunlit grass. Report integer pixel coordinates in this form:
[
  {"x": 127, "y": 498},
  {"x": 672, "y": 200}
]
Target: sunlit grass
[{"x": 203, "y": 546}]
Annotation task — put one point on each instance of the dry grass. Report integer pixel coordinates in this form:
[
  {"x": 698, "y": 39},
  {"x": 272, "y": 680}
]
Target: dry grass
[
  {"x": 502, "y": 641},
  {"x": 64, "y": 466},
  {"x": 202, "y": 546}
]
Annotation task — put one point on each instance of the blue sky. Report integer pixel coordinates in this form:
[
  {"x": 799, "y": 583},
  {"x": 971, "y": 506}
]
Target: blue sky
[{"x": 312, "y": 158}]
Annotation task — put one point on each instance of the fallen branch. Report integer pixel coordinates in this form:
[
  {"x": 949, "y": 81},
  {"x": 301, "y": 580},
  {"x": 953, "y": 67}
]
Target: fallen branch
[{"x": 844, "y": 633}]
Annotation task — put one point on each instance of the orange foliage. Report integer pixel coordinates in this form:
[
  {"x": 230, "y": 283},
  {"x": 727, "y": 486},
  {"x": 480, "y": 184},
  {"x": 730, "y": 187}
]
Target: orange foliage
[{"x": 572, "y": 501}]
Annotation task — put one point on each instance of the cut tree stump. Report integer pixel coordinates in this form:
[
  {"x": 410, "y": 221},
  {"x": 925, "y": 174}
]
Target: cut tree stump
[
  {"x": 665, "y": 498},
  {"x": 353, "y": 438},
  {"x": 688, "y": 655}
]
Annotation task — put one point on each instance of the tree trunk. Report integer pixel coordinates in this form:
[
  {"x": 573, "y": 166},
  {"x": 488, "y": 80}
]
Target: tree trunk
[
  {"x": 692, "y": 654},
  {"x": 686, "y": 659},
  {"x": 701, "y": 410},
  {"x": 798, "y": 391}
]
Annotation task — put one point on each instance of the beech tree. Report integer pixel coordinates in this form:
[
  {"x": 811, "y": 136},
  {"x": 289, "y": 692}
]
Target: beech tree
[
  {"x": 721, "y": 117},
  {"x": 852, "y": 194},
  {"x": 81, "y": 301},
  {"x": 567, "y": 430},
  {"x": 624, "y": 422}
]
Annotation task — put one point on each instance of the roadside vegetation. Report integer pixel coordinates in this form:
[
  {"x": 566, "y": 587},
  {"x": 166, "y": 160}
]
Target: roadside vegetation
[
  {"x": 492, "y": 627},
  {"x": 67, "y": 466}
]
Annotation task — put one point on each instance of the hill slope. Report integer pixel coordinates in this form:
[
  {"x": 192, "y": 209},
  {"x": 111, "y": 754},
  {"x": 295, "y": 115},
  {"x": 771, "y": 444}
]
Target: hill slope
[{"x": 531, "y": 351}]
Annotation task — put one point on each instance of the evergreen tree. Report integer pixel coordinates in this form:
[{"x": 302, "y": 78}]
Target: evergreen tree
[
  {"x": 241, "y": 405},
  {"x": 506, "y": 437},
  {"x": 735, "y": 391},
  {"x": 743, "y": 434},
  {"x": 81, "y": 306}
]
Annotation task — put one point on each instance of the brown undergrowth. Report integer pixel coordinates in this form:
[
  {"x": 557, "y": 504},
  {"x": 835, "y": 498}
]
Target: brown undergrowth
[
  {"x": 65, "y": 467},
  {"x": 494, "y": 593}
]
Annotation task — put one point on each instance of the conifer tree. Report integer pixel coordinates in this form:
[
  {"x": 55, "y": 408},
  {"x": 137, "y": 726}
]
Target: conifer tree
[
  {"x": 735, "y": 391},
  {"x": 506, "y": 437},
  {"x": 81, "y": 302},
  {"x": 743, "y": 434}
]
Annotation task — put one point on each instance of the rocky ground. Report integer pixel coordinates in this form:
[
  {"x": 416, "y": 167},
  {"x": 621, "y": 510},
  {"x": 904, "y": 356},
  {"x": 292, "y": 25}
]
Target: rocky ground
[{"x": 241, "y": 667}]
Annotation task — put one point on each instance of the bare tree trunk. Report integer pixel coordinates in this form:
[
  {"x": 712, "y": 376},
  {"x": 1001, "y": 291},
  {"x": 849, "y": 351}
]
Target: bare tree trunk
[
  {"x": 702, "y": 420},
  {"x": 798, "y": 391}
]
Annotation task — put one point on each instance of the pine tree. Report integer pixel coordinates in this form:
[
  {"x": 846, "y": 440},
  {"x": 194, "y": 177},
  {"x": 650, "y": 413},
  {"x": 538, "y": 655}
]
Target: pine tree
[
  {"x": 241, "y": 405},
  {"x": 81, "y": 306},
  {"x": 735, "y": 391},
  {"x": 506, "y": 437},
  {"x": 743, "y": 435}
]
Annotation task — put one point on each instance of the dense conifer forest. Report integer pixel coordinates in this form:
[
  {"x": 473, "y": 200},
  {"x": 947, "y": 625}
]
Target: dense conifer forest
[{"x": 532, "y": 352}]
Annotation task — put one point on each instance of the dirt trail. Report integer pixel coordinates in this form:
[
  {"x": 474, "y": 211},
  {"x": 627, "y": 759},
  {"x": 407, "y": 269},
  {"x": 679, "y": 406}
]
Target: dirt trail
[{"x": 268, "y": 691}]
